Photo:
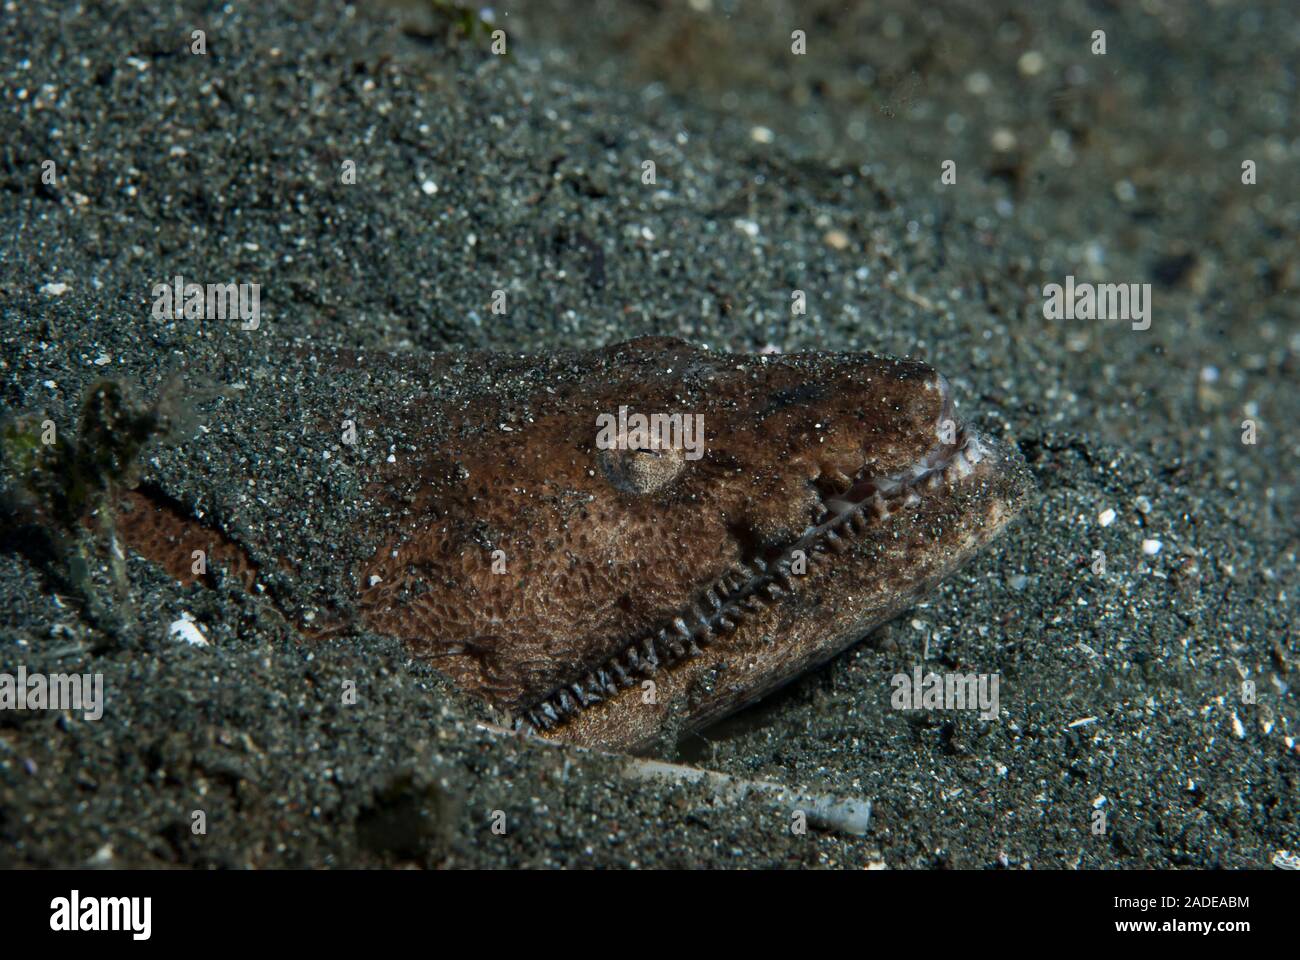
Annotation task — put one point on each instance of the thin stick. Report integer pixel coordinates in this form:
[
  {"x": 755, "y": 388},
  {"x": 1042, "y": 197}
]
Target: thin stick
[{"x": 822, "y": 811}]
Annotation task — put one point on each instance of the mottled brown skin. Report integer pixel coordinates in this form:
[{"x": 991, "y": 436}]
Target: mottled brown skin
[{"x": 602, "y": 549}]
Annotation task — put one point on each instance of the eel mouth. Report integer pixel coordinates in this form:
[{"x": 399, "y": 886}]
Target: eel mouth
[{"x": 764, "y": 577}]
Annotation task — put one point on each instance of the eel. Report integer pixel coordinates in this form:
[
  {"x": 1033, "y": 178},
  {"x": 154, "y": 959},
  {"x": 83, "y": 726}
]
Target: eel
[{"x": 607, "y": 585}]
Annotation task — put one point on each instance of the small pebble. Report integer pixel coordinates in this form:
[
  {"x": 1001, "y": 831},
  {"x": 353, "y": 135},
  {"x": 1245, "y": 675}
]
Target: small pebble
[
  {"x": 836, "y": 239},
  {"x": 1031, "y": 63},
  {"x": 186, "y": 630}
]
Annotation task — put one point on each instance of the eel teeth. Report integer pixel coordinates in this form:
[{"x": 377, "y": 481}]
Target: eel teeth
[
  {"x": 651, "y": 659},
  {"x": 577, "y": 693},
  {"x": 960, "y": 466}
]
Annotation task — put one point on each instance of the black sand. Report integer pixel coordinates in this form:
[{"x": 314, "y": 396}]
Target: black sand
[{"x": 478, "y": 172}]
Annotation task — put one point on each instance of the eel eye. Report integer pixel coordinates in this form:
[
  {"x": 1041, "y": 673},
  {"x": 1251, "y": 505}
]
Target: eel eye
[{"x": 641, "y": 469}]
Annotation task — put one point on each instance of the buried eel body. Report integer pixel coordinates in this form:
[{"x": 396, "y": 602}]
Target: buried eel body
[{"x": 614, "y": 597}]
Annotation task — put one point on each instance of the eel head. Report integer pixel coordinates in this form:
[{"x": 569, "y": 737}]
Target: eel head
[{"x": 608, "y": 581}]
